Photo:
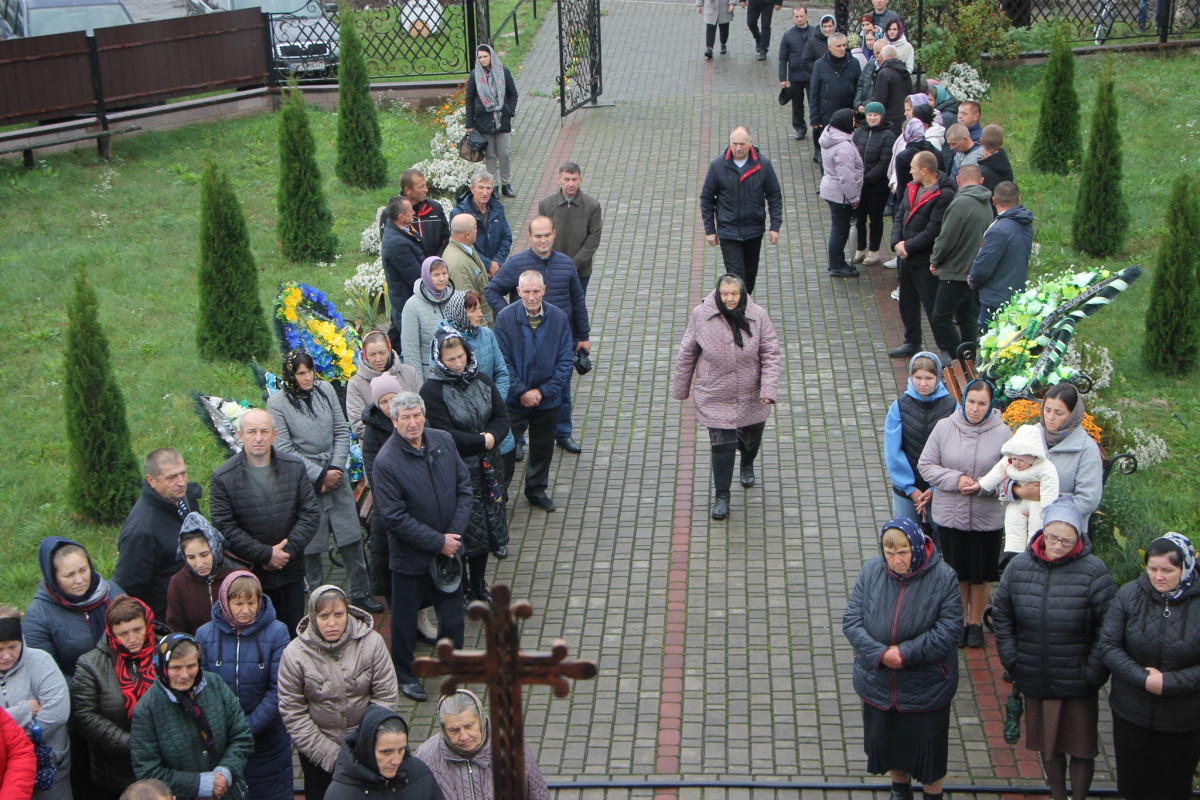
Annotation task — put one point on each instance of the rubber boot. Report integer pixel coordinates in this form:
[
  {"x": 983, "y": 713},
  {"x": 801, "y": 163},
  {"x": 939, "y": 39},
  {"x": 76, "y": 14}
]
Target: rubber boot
[{"x": 722, "y": 466}]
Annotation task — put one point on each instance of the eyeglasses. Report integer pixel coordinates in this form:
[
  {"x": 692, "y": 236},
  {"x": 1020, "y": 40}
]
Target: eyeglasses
[{"x": 1057, "y": 542}]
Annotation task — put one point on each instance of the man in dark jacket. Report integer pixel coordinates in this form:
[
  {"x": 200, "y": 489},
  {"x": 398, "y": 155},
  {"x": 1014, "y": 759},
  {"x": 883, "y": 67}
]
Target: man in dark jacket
[
  {"x": 739, "y": 190},
  {"x": 402, "y": 252},
  {"x": 422, "y": 489},
  {"x": 794, "y": 70},
  {"x": 915, "y": 228},
  {"x": 148, "y": 545},
  {"x": 563, "y": 290},
  {"x": 817, "y": 45},
  {"x": 266, "y": 508},
  {"x": 1002, "y": 264},
  {"x": 429, "y": 218},
  {"x": 578, "y": 220},
  {"x": 536, "y": 341},
  {"x": 892, "y": 85},
  {"x": 760, "y": 11},
  {"x": 956, "y": 309},
  {"x": 832, "y": 86},
  {"x": 994, "y": 162},
  {"x": 493, "y": 235}
]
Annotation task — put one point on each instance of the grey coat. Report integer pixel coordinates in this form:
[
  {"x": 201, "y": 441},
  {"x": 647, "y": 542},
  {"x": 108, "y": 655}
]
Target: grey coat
[
  {"x": 716, "y": 12},
  {"x": 321, "y": 439},
  {"x": 420, "y": 320},
  {"x": 956, "y": 448},
  {"x": 35, "y": 676},
  {"x": 1080, "y": 471}
]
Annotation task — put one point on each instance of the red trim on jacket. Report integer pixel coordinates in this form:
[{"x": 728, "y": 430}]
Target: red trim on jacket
[
  {"x": 914, "y": 203},
  {"x": 752, "y": 157}
]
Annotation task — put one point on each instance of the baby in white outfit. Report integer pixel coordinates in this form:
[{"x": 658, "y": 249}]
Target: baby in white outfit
[{"x": 1024, "y": 461}]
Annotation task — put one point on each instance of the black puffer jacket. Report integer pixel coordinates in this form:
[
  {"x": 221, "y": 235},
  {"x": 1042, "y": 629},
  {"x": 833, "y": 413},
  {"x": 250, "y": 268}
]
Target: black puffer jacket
[
  {"x": 98, "y": 713},
  {"x": 148, "y": 547},
  {"x": 1047, "y": 617},
  {"x": 918, "y": 221},
  {"x": 252, "y": 525},
  {"x": 875, "y": 147},
  {"x": 733, "y": 204},
  {"x": 1138, "y": 634},
  {"x": 377, "y": 429}
]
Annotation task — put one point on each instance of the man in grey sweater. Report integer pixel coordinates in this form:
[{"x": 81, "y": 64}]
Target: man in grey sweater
[{"x": 956, "y": 308}]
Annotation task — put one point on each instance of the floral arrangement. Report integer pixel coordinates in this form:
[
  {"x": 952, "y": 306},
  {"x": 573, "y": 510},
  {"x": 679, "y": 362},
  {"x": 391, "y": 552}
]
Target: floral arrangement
[
  {"x": 223, "y": 417},
  {"x": 367, "y": 292},
  {"x": 1029, "y": 412},
  {"x": 1148, "y": 448},
  {"x": 370, "y": 241},
  {"x": 963, "y": 81},
  {"x": 446, "y": 169},
  {"x": 312, "y": 323}
]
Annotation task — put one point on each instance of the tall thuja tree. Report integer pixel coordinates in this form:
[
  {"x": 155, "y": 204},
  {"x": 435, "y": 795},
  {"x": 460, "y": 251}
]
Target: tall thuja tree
[
  {"x": 305, "y": 224},
  {"x": 360, "y": 160},
  {"x": 231, "y": 322},
  {"x": 1101, "y": 216},
  {"x": 1059, "y": 144},
  {"x": 1172, "y": 344},
  {"x": 104, "y": 478}
]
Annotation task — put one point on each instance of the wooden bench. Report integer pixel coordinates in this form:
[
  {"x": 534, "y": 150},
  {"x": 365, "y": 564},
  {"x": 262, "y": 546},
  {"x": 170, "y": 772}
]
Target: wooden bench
[{"x": 28, "y": 148}]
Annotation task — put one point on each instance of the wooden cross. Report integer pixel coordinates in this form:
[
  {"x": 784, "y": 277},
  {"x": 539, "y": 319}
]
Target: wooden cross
[{"x": 503, "y": 667}]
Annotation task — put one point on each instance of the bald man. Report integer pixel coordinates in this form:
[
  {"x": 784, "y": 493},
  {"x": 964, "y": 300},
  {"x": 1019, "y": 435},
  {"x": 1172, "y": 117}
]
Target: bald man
[
  {"x": 468, "y": 270},
  {"x": 265, "y": 506}
]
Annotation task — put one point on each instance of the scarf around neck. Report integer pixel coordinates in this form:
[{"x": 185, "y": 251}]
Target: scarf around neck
[
  {"x": 1073, "y": 421},
  {"x": 427, "y": 279},
  {"x": 736, "y": 316},
  {"x": 185, "y": 697},
  {"x": 489, "y": 84},
  {"x": 135, "y": 672}
]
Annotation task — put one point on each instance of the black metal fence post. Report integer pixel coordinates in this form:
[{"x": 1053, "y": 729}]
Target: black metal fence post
[{"x": 103, "y": 143}]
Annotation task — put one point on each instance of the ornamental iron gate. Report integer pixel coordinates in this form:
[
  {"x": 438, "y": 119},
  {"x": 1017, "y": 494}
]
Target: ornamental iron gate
[{"x": 579, "y": 80}]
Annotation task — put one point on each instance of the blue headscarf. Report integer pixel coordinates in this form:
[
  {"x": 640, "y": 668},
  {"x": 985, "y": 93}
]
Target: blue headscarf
[
  {"x": 1188, "y": 554},
  {"x": 991, "y": 404},
  {"x": 916, "y": 540}
]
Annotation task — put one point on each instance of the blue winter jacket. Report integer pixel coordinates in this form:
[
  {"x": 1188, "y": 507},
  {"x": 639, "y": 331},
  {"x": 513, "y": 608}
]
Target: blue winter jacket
[
  {"x": 1002, "y": 265},
  {"x": 563, "y": 289},
  {"x": 900, "y": 471},
  {"x": 493, "y": 237},
  {"x": 922, "y": 613},
  {"x": 541, "y": 359},
  {"x": 249, "y": 665},
  {"x": 734, "y": 204}
]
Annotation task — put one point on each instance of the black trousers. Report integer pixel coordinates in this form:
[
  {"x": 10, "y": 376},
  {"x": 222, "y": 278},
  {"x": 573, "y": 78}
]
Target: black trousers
[
  {"x": 870, "y": 207},
  {"x": 289, "y": 601},
  {"x": 542, "y": 424},
  {"x": 409, "y": 593},
  {"x": 758, "y": 20},
  {"x": 955, "y": 315},
  {"x": 741, "y": 259},
  {"x": 710, "y": 38},
  {"x": 799, "y": 92},
  {"x": 316, "y": 780},
  {"x": 918, "y": 289}
]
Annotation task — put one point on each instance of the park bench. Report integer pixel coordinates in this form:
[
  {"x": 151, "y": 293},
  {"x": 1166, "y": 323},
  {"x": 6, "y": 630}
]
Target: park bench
[{"x": 102, "y": 136}]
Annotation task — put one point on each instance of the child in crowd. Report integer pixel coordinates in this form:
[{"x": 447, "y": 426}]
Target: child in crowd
[{"x": 1023, "y": 461}]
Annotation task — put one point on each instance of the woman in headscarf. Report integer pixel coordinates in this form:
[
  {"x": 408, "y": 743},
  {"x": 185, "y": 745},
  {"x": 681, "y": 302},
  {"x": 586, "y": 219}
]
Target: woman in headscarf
[
  {"x": 461, "y": 757},
  {"x": 841, "y": 187},
  {"x": 904, "y": 49},
  {"x": 189, "y": 730},
  {"x": 1075, "y": 456},
  {"x": 193, "y": 590},
  {"x": 334, "y": 669},
  {"x": 935, "y": 131},
  {"x": 970, "y": 523},
  {"x": 424, "y": 312},
  {"x": 309, "y": 423},
  {"x": 375, "y": 763},
  {"x": 491, "y": 105},
  {"x": 109, "y": 682},
  {"x": 910, "y": 142},
  {"x": 729, "y": 360},
  {"x": 374, "y": 359},
  {"x": 1151, "y": 642},
  {"x": 464, "y": 402},
  {"x": 243, "y": 644},
  {"x": 1047, "y": 615},
  {"x": 902, "y": 619}
]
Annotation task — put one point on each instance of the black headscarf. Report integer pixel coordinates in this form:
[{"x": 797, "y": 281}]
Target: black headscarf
[
  {"x": 185, "y": 697},
  {"x": 736, "y": 317},
  {"x": 291, "y": 387}
]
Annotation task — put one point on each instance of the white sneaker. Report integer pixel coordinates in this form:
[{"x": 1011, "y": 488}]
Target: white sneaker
[
  {"x": 896, "y": 293},
  {"x": 890, "y": 264},
  {"x": 427, "y": 623}
]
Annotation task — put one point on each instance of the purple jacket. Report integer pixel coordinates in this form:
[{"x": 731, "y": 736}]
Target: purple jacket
[
  {"x": 842, "y": 181},
  {"x": 727, "y": 382}
]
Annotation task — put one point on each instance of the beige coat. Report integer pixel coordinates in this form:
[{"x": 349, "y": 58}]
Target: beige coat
[
  {"x": 469, "y": 274},
  {"x": 325, "y": 688}
]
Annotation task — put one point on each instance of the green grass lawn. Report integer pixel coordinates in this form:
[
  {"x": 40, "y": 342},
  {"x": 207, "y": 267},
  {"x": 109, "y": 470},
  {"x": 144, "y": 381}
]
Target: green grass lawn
[{"x": 1160, "y": 137}]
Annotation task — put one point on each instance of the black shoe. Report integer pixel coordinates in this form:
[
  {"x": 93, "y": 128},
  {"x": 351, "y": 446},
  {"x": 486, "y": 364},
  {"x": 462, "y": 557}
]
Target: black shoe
[
  {"x": 708, "y": 53},
  {"x": 720, "y": 509},
  {"x": 747, "y": 475},
  {"x": 901, "y": 794},
  {"x": 519, "y": 453},
  {"x": 542, "y": 501},
  {"x": 507, "y": 190},
  {"x": 798, "y": 134},
  {"x": 963, "y": 641},
  {"x": 724, "y": 50},
  {"x": 485, "y": 596},
  {"x": 414, "y": 691},
  {"x": 762, "y": 56},
  {"x": 501, "y": 552},
  {"x": 569, "y": 444},
  {"x": 816, "y": 159},
  {"x": 974, "y": 636},
  {"x": 905, "y": 350},
  {"x": 844, "y": 272},
  {"x": 367, "y": 603}
]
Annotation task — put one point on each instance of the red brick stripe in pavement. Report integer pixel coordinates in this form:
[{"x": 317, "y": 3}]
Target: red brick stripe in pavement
[{"x": 991, "y": 692}]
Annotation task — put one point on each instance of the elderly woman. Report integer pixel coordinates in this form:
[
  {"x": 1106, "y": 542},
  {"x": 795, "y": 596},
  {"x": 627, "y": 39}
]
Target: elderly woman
[
  {"x": 729, "y": 360},
  {"x": 34, "y": 694},
  {"x": 310, "y": 424},
  {"x": 1047, "y": 615},
  {"x": 1074, "y": 454},
  {"x": 970, "y": 525},
  {"x": 375, "y": 762},
  {"x": 461, "y": 757},
  {"x": 902, "y": 620},
  {"x": 461, "y": 400},
  {"x": 1151, "y": 642},
  {"x": 424, "y": 312},
  {"x": 329, "y": 674},
  {"x": 109, "y": 682},
  {"x": 491, "y": 103},
  {"x": 493, "y": 235},
  {"x": 188, "y": 730},
  {"x": 374, "y": 359},
  {"x": 243, "y": 644},
  {"x": 193, "y": 590}
]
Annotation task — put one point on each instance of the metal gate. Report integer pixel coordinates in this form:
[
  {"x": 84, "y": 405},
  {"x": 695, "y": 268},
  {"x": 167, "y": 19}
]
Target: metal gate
[{"x": 579, "y": 79}]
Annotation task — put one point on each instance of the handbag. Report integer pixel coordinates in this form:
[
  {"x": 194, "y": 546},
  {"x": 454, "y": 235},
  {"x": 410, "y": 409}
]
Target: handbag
[
  {"x": 473, "y": 146},
  {"x": 46, "y": 768}
]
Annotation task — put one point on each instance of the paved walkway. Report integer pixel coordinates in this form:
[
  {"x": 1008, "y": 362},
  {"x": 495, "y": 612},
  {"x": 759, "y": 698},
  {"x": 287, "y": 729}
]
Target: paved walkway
[{"x": 719, "y": 644}]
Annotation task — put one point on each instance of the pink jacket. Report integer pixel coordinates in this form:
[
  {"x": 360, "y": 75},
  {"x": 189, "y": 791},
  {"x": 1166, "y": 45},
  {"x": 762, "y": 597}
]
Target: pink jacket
[{"x": 730, "y": 382}]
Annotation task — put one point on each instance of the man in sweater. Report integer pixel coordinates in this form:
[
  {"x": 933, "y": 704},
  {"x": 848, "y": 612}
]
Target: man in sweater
[
  {"x": 794, "y": 70},
  {"x": 965, "y": 151},
  {"x": 955, "y": 317},
  {"x": 1002, "y": 265},
  {"x": 578, "y": 221}
]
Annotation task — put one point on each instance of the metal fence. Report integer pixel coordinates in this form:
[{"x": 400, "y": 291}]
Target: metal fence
[{"x": 578, "y": 53}]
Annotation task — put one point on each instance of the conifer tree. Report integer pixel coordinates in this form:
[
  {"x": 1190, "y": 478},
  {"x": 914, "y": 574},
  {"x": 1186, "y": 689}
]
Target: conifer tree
[
  {"x": 1101, "y": 216},
  {"x": 231, "y": 322},
  {"x": 360, "y": 160},
  {"x": 1172, "y": 344},
  {"x": 104, "y": 478},
  {"x": 305, "y": 225},
  {"x": 1059, "y": 144}
]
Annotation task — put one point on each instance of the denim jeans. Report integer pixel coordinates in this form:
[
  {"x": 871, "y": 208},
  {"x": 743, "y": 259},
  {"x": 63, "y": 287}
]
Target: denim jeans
[{"x": 840, "y": 217}]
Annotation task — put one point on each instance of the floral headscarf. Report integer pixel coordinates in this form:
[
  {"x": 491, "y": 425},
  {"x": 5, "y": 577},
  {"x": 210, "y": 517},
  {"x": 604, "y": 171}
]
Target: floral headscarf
[
  {"x": 185, "y": 697},
  {"x": 195, "y": 521},
  {"x": 456, "y": 314},
  {"x": 914, "y": 131},
  {"x": 223, "y": 599},
  {"x": 916, "y": 540},
  {"x": 1188, "y": 553},
  {"x": 490, "y": 84},
  {"x": 439, "y": 370},
  {"x": 291, "y": 387}
]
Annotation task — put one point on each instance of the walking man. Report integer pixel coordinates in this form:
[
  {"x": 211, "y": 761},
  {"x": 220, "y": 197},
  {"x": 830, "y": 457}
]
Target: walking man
[
  {"x": 794, "y": 70},
  {"x": 578, "y": 221},
  {"x": 760, "y": 12}
]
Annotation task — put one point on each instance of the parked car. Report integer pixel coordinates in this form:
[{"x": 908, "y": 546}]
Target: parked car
[
  {"x": 303, "y": 39},
  {"x": 42, "y": 17}
]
